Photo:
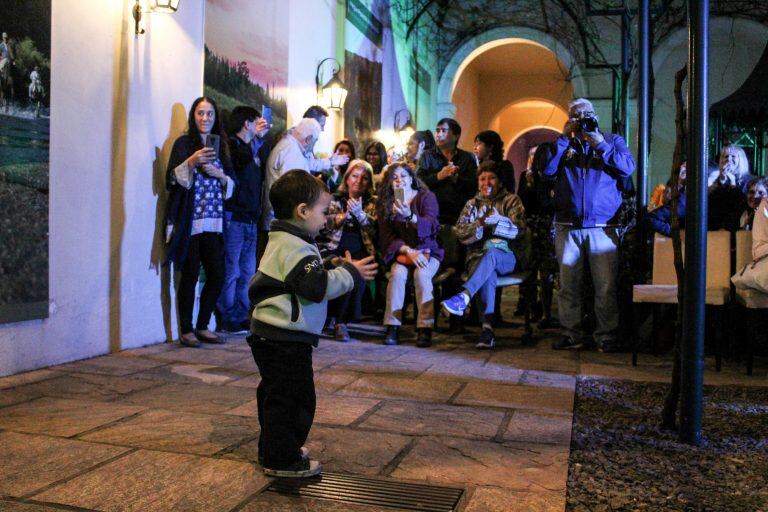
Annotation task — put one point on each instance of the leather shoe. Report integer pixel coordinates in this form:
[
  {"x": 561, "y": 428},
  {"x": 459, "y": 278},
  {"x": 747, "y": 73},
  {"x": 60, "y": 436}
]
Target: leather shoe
[
  {"x": 424, "y": 338},
  {"x": 207, "y": 336},
  {"x": 393, "y": 335},
  {"x": 189, "y": 340}
]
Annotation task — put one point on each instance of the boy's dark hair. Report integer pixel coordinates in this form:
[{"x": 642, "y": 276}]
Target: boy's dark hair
[
  {"x": 453, "y": 125},
  {"x": 293, "y": 188},
  {"x": 239, "y": 116},
  {"x": 315, "y": 111}
]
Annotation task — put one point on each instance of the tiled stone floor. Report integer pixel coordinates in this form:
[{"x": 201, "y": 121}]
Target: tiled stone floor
[{"x": 169, "y": 428}]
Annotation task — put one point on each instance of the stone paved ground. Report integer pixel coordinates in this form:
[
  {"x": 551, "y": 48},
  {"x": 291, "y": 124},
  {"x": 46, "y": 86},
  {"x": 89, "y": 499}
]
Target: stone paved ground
[{"x": 169, "y": 428}]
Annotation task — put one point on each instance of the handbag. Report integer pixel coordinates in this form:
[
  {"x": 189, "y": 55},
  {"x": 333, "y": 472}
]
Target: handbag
[{"x": 754, "y": 276}]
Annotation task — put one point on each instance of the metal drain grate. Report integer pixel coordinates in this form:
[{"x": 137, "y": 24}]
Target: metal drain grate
[{"x": 371, "y": 491}]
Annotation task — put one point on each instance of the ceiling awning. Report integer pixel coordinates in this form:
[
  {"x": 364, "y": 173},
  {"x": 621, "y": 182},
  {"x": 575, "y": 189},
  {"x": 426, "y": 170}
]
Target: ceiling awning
[{"x": 749, "y": 103}]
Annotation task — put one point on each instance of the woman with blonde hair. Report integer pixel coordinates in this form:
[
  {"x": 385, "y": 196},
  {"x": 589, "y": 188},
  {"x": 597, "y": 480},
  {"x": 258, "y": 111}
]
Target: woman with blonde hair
[
  {"x": 733, "y": 169},
  {"x": 350, "y": 228},
  {"x": 728, "y": 189}
]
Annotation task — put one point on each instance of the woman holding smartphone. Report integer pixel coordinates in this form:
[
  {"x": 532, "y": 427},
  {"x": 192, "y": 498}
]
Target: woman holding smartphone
[
  {"x": 199, "y": 181},
  {"x": 408, "y": 230}
]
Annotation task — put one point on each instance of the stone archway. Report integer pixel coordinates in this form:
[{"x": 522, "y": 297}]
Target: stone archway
[
  {"x": 491, "y": 39},
  {"x": 517, "y": 152}
]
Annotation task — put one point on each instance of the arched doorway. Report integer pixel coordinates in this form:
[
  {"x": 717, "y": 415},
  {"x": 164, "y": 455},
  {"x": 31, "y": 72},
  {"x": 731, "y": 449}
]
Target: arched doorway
[
  {"x": 511, "y": 86},
  {"x": 517, "y": 153},
  {"x": 491, "y": 39}
]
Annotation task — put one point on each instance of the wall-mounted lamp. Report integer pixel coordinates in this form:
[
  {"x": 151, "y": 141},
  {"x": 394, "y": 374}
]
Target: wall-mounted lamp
[
  {"x": 405, "y": 131},
  {"x": 333, "y": 93},
  {"x": 154, "y": 6}
]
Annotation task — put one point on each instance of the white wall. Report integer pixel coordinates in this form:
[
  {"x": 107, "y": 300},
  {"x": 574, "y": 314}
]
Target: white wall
[
  {"x": 112, "y": 101},
  {"x": 312, "y": 38}
]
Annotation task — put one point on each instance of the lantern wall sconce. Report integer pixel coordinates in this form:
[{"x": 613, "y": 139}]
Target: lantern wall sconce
[
  {"x": 166, "y": 6},
  {"x": 405, "y": 131},
  {"x": 333, "y": 93}
]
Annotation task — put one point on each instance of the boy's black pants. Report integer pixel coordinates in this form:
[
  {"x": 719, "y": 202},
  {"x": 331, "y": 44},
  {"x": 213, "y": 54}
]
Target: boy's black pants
[{"x": 285, "y": 398}]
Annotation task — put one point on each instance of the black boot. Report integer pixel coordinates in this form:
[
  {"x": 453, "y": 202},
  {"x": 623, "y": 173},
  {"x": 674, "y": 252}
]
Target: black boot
[
  {"x": 424, "y": 338},
  {"x": 393, "y": 335}
]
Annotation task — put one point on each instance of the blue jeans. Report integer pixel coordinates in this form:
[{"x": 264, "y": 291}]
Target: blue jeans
[
  {"x": 598, "y": 247},
  {"x": 239, "y": 267},
  {"x": 494, "y": 263}
]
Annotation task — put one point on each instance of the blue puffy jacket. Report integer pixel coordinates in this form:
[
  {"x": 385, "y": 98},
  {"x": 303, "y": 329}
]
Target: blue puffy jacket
[{"x": 588, "y": 179}]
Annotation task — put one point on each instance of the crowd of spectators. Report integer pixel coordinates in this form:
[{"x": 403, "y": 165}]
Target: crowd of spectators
[{"x": 562, "y": 219}]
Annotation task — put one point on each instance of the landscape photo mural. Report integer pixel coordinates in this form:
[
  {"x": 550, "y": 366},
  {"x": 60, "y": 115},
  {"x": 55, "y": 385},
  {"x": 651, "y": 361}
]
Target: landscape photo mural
[
  {"x": 25, "y": 51},
  {"x": 246, "y": 56}
]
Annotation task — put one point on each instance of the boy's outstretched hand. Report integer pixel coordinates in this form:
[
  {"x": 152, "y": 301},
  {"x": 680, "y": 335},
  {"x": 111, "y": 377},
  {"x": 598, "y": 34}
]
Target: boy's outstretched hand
[{"x": 366, "y": 266}]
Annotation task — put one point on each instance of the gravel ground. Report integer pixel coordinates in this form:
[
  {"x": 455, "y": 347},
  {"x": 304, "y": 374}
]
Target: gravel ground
[{"x": 621, "y": 459}]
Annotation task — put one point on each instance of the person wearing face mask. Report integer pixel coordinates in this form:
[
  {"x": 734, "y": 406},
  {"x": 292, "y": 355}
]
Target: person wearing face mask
[
  {"x": 408, "y": 230},
  {"x": 199, "y": 180},
  {"x": 491, "y": 225},
  {"x": 350, "y": 227}
]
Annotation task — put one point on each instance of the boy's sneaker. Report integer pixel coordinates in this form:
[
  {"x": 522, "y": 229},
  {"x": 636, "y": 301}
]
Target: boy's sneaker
[
  {"x": 487, "y": 339},
  {"x": 456, "y": 305},
  {"x": 567, "y": 343},
  {"x": 302, "y": 469},
  {"x": 304, "y": 455}
]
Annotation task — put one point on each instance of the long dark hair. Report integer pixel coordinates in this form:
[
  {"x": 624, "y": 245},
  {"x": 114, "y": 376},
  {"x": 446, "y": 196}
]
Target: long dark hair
[
  {"x": 381, "y": 149},
  {"x": 386, "y": 195},
  {"x": 217, "y": 129},
  {"x": 343, "y": 168},
  {"x": 426, "y": 137},
  {"x": 493, "y": 141}
]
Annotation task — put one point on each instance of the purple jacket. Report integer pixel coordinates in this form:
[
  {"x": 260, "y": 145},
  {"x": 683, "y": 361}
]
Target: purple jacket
[
  {"x": 587, "y": 192},
  {"x": 396, "y": 232}
]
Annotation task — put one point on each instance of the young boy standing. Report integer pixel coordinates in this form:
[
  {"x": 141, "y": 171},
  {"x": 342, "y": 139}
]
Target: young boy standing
[{"x": 290, "y": 293}]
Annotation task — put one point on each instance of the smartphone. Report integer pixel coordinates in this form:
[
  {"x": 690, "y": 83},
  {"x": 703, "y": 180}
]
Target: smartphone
[
  {"x": 266, "y": 114},
  {"x": 213, "y": 141},
  {"x": 400, "y": 195}
]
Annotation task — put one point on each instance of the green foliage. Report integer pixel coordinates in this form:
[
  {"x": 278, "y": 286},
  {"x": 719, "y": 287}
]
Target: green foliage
[{"x": 28, "y": 56}]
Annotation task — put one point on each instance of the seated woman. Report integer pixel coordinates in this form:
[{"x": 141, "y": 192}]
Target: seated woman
[
  {"x": 727, "y": 189},
  {"x": 491, "y": 225},
  {"x": 659, "y": 220},
  {"x": 408, "y": 230},
  {"x": 350, "y": 227},
  {"x": 334, "y": 175},
  {"x": 490, "y": 148},
  {"x": 755, "y": 274},
  {"x": 757, "y": 189}
]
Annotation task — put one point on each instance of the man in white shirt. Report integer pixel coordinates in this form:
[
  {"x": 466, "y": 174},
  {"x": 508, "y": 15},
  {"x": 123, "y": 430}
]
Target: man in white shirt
[{"x": 288, "y": 154}]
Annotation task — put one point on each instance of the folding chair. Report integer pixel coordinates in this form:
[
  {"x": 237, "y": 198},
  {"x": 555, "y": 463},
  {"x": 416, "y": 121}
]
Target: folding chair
[{"x": 663, "y": 287}]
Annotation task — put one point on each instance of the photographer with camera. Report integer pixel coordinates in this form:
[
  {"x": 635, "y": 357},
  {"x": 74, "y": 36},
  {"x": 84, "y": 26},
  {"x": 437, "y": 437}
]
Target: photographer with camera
[{"x": 587, "y": 166}]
